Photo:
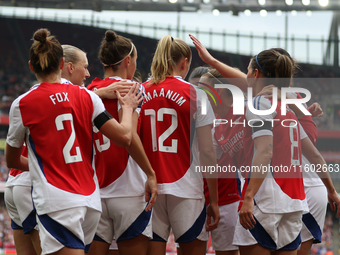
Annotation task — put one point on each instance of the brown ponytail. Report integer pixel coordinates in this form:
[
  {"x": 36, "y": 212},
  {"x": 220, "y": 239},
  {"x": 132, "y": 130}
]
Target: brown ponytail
[
  {"x": 45, "y": 52},
  {"x": 114, "y": 49},
  {"x": 276, "y": 66}
]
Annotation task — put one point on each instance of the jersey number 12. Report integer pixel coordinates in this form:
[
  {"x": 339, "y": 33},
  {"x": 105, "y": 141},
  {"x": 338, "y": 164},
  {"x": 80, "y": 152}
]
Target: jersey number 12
[{"x": 167, "y": 133}]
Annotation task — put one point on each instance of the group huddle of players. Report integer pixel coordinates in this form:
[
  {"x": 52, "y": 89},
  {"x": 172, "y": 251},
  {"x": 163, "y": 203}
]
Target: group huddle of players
[{"x": 74, "y": 189}]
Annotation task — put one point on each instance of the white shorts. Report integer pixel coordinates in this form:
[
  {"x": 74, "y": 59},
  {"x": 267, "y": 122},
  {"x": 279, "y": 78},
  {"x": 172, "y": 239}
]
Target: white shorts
[
  {"x": 125, "y": 218},
  {"x": 314, "y": 220},
  {"x": 73, "y": 228},
  {"x": 222, "y": 237},
  {"x": 186, "y": 217},
  {"x": 273, "y": 231},
  {"x": 20, "y": 208},
  {"x": 113, "y": 245}
]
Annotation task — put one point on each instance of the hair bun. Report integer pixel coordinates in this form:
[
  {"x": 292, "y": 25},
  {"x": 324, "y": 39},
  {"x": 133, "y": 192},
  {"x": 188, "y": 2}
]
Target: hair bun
[
  {"x": 110, "y": 36},
  {"x": 41, "y": 35}
]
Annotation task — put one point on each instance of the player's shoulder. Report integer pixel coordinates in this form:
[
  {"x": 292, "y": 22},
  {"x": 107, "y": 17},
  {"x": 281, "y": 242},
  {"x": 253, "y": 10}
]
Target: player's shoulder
[
  {"x": 65, "y": 81},
  {"x": 261, "y": 103},
  {"x": 180, "y": 79}
]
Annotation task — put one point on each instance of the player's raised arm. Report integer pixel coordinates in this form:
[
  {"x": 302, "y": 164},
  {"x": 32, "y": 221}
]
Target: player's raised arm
[{"x": 238, "y": 78}]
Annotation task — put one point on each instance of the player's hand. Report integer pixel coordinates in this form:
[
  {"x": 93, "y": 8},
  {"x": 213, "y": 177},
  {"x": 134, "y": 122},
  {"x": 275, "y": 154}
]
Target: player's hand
[
  {"x": 315, "y": 110},
  {"x": 267, "y": 92},
  {"x": 151, "y": 192},
  {"x": 132, "y": 99},
  {"x": 334, "y": 199},
  {"x": 202, "y": 51},
  {"x": 212, "y": 212},
  {"x": 246, "y": 217},
  {"x": 122, "y": 87}
]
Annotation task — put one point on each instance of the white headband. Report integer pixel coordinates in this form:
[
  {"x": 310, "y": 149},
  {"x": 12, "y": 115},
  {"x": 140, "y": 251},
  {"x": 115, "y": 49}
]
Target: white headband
[{"x": 121, "y": 59}]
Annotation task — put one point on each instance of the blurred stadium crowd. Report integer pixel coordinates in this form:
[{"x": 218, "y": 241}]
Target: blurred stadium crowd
[{"x": 16, "y": 78}]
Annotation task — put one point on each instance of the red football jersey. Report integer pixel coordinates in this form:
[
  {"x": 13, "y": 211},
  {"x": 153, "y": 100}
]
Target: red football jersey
[
  {"x": 286, "y": 192},
  {"x": 64, "y": 155},
  {"x": 110, "y": 159},
  {"x": 167, "y": 114},
  {"x": 57, "y": 121},
  {"x": 170, "y": 114},
  {"x": 309, "y": 126},
  {"x": 228, "y": 139}
]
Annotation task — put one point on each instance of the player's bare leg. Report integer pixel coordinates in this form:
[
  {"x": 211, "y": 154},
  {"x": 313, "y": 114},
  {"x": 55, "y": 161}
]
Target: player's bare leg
[
  {"x": 156, "y": 248},
  {"x": 23, "y": 243},
  {"x": 98, "y": 248},
  {"x": 196, "y": 247},
  {"x": 113, "y": 252},
  {"x": 69, "y": 251},
  {"x": 305, "y": 247},
  {"x": 136, "y": 246},
  {"x": 253, "y": 250},
  {"x": 234, "y": 252},
  {"x": 285, "y": 252},
  {"x": 35, "y": 240}
]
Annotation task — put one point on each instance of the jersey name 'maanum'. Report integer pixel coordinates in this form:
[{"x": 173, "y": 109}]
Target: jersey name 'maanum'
[
  {"x": 176, "y": 97},
  {"x": 59, "y": 97}
]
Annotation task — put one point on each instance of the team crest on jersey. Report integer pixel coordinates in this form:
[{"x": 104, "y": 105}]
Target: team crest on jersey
[{"x": 221, "y": 139}]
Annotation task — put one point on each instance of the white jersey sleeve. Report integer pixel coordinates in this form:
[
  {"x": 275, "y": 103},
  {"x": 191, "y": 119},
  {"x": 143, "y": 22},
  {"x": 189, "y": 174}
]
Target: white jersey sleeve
[
  {"x": 65, "y": 81},
  {"x": 98, "y": 106},
  {"x": 203, "y": 119},
  {"x": 261, "y": 123},
  {"x": 17, "y": 131}
]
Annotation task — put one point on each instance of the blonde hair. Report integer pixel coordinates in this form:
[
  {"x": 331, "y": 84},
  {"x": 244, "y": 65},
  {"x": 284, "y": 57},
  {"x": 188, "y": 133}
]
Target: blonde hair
[
  {"x": 168, "y": 53},
  {"x": 71, "y": 53}
]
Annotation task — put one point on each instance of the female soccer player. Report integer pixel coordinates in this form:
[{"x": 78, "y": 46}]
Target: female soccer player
[
  {"x": 65, "y": 190},
  {"x": 197, "y": 73},
  {"x": 316, "y": 192},
  {"x": 18, "y": 186},
  {"x": 20, "y": 208},
  {"x": 76, "y": 64},
  {"x": 252, "y": 241},
  {"x": 279, "y": 200},
  {"x": 126, "y": 210},
  {"x": 228, "y": 144},
  {"x": 173, "y": 129}
]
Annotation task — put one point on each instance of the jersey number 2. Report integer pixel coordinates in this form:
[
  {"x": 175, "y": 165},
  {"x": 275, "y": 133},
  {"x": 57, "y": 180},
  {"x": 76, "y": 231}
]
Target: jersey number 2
[
  {"x": 167, "y": 133},
  {"x": 70, "y": 142}
]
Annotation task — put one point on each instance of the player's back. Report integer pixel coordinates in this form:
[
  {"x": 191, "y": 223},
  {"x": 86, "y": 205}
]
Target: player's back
[
  {"x": 284, "y": 192},
  {"x": 108, "y": 167},
  {"x": 167, "y": 120},
  {"x": 59, "y": 119}
]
